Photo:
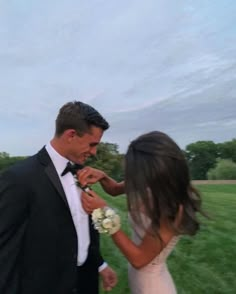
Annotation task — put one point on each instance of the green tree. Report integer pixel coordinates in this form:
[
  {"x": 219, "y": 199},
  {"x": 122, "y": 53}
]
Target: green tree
[
  {"x": 7, "y": 161},
  {"x": 4, "y": 155},
  {"x": 224, "y": 170},
  {"x": 227, "y": 150},
  {"x": 109, "y": 160},
  {"x": 201, "y": 156}
]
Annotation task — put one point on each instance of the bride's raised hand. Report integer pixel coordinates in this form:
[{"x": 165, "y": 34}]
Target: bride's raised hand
[
  {"x": 91, "y": 201},
  {"x": 89, "y": 175}
]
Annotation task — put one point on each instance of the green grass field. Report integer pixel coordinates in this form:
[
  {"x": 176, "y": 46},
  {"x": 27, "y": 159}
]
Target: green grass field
[{"x": 205, "y": 263}]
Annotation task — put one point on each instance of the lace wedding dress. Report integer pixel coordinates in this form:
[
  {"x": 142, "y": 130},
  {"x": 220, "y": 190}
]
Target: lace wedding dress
[{"x": 154, "y": 278}]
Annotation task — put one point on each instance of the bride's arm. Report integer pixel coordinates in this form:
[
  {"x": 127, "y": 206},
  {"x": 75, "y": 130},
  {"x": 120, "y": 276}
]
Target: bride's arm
[
  {"x": 89, "y": 175},
  {"x": 150, "y": 247},
  {"x": 138, "y": 255}
]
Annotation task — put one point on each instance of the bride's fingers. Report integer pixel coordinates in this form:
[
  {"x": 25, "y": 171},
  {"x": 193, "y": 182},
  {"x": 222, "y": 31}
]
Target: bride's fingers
[
  {"x": 85, "y": 205},
  {"x": 85, "y": 176},
  {"x": 92, "y": 202},
  {"x": 87, "y": 208},
  {"x": 82, "y": 177},
  {"x": 85, "y": 198},
  {"x": 88, "y": 202}
]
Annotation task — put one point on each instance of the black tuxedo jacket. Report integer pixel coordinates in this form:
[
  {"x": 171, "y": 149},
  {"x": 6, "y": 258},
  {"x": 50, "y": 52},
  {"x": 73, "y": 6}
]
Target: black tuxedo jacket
[{"x": 38, "y": 241}]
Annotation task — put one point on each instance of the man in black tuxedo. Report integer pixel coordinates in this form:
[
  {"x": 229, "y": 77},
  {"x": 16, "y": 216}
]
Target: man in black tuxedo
[{"x": 47, "y": 242}]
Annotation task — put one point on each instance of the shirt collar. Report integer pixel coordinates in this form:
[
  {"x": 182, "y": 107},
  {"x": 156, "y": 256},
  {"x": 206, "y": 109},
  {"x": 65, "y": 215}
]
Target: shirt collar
[{"x": 58, "y": 160}]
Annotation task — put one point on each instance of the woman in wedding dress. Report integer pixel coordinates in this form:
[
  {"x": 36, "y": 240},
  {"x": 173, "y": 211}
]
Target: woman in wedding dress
[{"x": 162, "y": 206}]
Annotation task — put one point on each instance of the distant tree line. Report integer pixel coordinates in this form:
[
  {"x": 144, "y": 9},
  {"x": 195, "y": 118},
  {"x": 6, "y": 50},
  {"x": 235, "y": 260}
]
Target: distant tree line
[
  {"x": 108, "y": 159},
  {"x": 206, "y": 159},
  {"x": 6, "y": 160}
]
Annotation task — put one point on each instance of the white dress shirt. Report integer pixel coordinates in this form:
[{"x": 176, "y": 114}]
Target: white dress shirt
[{"x": 73, "y": 195}]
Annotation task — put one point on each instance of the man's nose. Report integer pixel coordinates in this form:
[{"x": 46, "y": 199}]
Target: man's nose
[{"x": 93, "y": 150}]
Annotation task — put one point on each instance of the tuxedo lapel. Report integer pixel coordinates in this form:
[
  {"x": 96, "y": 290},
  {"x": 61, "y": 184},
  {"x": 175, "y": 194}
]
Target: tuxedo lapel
[
  {"x": 52, "y": 174},
  {"x": 50, "y": 171}
]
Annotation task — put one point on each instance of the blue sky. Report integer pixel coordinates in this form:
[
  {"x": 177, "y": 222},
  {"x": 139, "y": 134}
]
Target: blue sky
[{"x": 145, "y": 65}]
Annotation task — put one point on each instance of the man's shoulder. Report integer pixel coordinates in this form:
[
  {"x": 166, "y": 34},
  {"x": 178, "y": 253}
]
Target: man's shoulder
[{"x": 24, "y": 166}]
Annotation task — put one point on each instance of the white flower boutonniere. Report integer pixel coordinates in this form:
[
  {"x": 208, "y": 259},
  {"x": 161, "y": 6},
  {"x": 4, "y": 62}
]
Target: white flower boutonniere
[{"x": 106, "y": 220}]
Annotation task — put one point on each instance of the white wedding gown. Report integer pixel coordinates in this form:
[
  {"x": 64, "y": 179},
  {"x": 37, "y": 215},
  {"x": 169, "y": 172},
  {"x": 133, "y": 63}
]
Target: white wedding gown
[{"x": 153, "y": 278}]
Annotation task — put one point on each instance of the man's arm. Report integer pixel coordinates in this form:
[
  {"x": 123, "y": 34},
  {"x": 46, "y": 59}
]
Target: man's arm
[
  {"x": 89, "y": 175},
  {"x": 108, "y": 276},
  {"x": 13, "y": 219}
]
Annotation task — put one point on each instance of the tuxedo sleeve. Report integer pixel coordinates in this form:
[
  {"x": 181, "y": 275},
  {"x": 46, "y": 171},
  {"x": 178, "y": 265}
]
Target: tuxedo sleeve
[
  {"x": 95, "y": 245},
  {"x": 13, "y": 219}
]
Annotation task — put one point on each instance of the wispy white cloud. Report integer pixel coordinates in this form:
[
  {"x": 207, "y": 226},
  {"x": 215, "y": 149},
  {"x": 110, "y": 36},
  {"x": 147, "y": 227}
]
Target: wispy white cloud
[
  {"x": 143, "y": 64},
  {"x": 222, "y": 123}
]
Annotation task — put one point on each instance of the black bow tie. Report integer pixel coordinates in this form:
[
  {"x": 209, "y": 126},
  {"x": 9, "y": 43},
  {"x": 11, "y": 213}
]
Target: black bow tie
[{"x": 71, "y": 168}]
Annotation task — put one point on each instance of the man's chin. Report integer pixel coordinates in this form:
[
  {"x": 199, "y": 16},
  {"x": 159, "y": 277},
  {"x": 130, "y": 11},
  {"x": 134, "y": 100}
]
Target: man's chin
[{"x": 80, "y": 161}]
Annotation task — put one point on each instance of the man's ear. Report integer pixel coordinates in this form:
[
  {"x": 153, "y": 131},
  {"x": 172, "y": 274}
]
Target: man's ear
[{"x": 70, "y": 134}]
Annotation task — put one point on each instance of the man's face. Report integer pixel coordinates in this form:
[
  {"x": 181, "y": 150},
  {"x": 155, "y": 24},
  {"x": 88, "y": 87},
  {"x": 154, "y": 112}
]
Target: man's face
[{"x": 83, "y": 147}]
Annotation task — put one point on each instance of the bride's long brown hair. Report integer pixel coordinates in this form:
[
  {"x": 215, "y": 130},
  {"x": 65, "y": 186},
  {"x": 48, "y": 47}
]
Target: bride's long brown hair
[{"x": 157, "y": 177}]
